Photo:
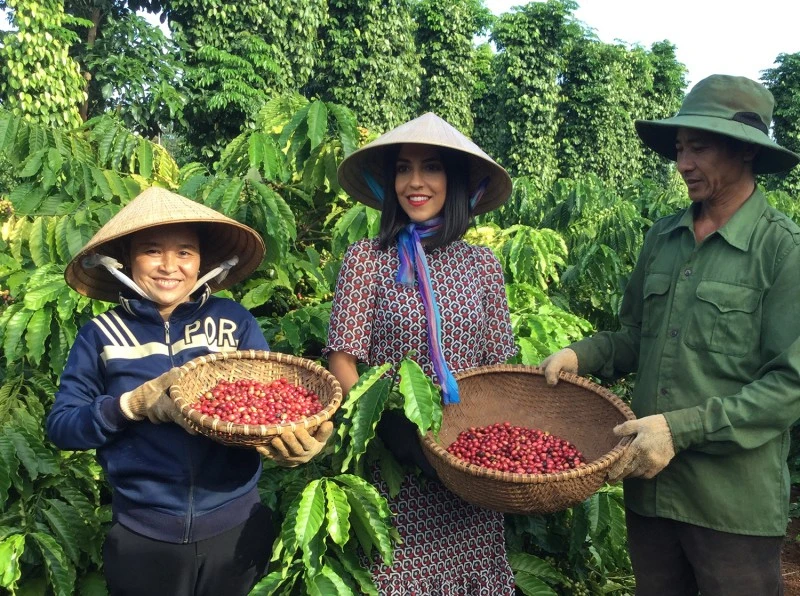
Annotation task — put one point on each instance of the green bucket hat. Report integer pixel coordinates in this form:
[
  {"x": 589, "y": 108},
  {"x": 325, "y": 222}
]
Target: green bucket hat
[{"x": 735, "y": 107}]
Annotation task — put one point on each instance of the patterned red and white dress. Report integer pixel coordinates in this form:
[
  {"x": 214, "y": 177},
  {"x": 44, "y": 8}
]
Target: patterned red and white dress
[{"x": 449, "y": 546}]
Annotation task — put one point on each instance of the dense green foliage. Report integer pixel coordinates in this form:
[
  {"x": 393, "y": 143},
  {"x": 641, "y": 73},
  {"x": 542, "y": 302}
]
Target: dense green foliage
[
  {"x": 38, "y": 79},
  {"x": 784, "y": 83},
  {"x": 249, "y": 108},
  {"x": 532, "y": 44},
  {"x": 370, "y": 62},
  {"x": 562, "y": 103},
  {"x": 445, "y": 34},
  {"x": 136, "y": 74},
  {"x": 237, "y": 54}
]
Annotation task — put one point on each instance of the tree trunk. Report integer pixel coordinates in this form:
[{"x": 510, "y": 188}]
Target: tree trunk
[{"x": 90, "y": 37}]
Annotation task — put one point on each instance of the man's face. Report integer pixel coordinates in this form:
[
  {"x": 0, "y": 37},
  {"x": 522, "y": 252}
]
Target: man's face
[
  {"x": 710, "y": 169},
  {"x": 165, "y": 262}
]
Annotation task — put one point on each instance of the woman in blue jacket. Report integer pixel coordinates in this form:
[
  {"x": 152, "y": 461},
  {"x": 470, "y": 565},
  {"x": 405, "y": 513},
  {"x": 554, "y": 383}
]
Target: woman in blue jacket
[{"x": 187, "y": 515}]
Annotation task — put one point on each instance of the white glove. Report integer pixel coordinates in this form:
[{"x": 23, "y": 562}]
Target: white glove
[
  {"x": 566, "y": 360},
  {"x": 291, "y": 449},
  {"x": 650, "y": 451}
]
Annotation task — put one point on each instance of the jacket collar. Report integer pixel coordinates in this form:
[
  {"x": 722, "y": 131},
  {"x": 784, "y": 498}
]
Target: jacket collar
[
  {"x": 147, "y": 309},
  {"x": 739, "y": 228}
]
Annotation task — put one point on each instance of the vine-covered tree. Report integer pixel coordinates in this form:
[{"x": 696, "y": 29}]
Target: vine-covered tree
[
  {"x": 445, "y": 43},
  {"x": 602, "y": 88},
  {"x": 38, "y": 78},
  {"x": 532, "y": 42},
  {"x": 484, "y": 99},
  {"x": 237, "y": 55},
  {"x": 370, "y": 63},
  {"x": 663, "y": 100}
]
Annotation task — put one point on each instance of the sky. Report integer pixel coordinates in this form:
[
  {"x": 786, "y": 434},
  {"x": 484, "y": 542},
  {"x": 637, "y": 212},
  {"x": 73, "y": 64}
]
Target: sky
[{"x": 711, "y": 36}]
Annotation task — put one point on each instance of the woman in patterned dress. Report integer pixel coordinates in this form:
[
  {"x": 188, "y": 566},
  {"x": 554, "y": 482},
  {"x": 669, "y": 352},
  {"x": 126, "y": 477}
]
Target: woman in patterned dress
[{"x": 418, "y": 289}]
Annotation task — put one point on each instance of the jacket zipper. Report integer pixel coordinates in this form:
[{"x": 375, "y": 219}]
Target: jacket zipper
[{"x": 190, "y": 505}]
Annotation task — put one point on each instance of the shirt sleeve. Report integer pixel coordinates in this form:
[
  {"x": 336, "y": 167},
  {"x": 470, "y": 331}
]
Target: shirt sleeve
[
  {"x": 766, "y": 407},
  {"x": 499, "y": 341},
  {"x": 612, "y": 354},
  {"x": 83, "y": 415},
  {"x": 354, "y": 301}
]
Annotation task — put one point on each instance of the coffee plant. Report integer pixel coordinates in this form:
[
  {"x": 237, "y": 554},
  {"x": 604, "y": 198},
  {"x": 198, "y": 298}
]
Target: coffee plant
[
  {"x": 553, "y": 104},
  {"x": 338, "y": 515}
]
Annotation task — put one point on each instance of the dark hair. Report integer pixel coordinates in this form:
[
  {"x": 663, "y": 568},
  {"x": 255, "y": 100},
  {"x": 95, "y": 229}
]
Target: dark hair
[
  {"x": 737, "y": 147},
  {"x": 456, "y": 211}
]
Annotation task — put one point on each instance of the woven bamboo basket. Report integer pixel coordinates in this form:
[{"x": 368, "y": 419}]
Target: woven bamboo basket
[
  {"x": 201, "y": 374},
  {"x": 575, "y": 409}
]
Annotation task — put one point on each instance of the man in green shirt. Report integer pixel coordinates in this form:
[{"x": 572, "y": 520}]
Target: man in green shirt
[{"x": 710, "y": 322}]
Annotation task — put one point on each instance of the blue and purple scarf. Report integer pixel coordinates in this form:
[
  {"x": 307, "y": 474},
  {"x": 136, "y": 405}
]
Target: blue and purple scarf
[{"x": 414, "y": 265}]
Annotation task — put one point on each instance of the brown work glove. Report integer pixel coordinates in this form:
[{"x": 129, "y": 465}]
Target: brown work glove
[
  {"x": 291, "y": 449},
  {"x": 650, "y": 451},
  {"x": 150, "y": 400},
  {"x": 566, "y": 360}
]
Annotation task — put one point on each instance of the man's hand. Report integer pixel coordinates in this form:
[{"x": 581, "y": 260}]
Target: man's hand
[
  {"x": 291, "y": 449},
  {"x": 650, "y": 451},
  {"x": 150, "y": 400},
  {"x": 566, "y": 360}
]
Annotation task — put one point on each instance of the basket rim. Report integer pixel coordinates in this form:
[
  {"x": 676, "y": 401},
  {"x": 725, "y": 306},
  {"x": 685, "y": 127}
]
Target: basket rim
[
  {"x": 254, "y": 431},
  {"x": 588, "y": 469}
]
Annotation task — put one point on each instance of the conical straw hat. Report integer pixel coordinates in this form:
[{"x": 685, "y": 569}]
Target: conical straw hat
[
  {"x": 428, "y": 129},
  {"x": 220, "y": 237}
]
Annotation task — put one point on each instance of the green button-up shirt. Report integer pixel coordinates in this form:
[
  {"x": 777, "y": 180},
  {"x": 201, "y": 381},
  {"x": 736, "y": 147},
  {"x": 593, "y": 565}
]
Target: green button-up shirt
[{"x": 712, "y": 330}]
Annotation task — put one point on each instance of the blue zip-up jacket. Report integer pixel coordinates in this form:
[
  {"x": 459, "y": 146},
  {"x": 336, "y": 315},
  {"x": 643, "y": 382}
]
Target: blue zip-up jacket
[{"x": 168, "y": 485}]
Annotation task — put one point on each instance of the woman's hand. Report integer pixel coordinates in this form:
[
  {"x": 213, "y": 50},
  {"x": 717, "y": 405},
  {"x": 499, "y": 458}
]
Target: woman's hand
[
  {"x": 297, "y": 447},
  {"x": 151, "y": 400}
]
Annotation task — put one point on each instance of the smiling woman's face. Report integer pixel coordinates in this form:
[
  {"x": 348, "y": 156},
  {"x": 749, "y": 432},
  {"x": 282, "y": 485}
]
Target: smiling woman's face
[
  {"x": 165, "y": 263},
  {"x": 420, "y": 181}
]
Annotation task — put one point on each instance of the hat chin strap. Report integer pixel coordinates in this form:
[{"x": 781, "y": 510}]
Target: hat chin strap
[
  {"x": 114, "y": 267},
  {"x": 218, "y": 273}
]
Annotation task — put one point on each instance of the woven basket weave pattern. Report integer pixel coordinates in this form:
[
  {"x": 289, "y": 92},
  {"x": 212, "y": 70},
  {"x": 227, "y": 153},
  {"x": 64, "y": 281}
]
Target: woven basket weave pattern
[
  {"x": 576, "y": 410},
  {"x": 203, "y": 373}
]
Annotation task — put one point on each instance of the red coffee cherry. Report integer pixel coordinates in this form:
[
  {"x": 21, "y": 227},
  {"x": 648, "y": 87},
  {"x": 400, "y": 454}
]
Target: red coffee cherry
[
  {"x": 246, "y": 401},
  {"x": 508, "y": 448}
]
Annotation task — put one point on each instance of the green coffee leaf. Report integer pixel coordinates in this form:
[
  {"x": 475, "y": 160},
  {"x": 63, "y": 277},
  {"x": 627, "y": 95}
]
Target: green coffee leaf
[{"x": 338, "y": 513}]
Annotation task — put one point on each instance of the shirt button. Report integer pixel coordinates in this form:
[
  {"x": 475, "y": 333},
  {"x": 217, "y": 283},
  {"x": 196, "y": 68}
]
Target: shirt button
[
  {"x": 673, "y": 333},
  {"x": 664, "y": 391},
  {"x": 687, "y": 272}
]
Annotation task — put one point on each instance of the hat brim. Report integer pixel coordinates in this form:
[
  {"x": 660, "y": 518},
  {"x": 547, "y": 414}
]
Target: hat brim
[
  {"x": 432, "y": 130},
  {"x": 659, "y": 135},
  {"x": 220, "y": 239},
  {"x": 371, "y": 159}
]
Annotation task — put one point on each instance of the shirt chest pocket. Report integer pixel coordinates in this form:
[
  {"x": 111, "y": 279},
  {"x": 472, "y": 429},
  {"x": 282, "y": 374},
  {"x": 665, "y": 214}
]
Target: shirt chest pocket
[
  {"x": 656, "y": 290},
  {"x": 726, "y": 318}
]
